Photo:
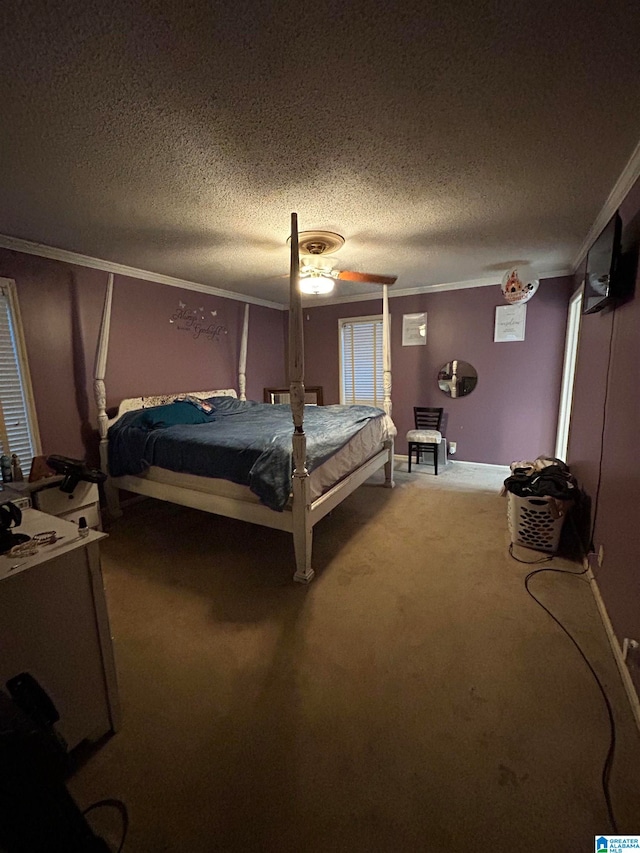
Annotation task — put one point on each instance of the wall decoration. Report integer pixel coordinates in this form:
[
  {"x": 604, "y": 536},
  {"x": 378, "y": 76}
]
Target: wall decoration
[
  {"x": 457, "y": 378},
  {"x": 510, "y": 323},
  {"x": 516, "y": 288},
  {"x": 414, "y": 330},
  {"x": 199, "y": 323}
]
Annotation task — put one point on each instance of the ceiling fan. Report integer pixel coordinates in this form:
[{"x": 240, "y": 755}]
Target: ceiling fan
[{"x": 318, "y": 277}]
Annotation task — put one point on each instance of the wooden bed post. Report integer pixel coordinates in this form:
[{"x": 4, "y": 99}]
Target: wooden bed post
[
  {"x": 386, "y": 351},
  {"x": 386, "y": 380},
  {"x": 242, "y": 370},
  {"x": 302, "y": 527},
  {"x": 99, "y": 389}
]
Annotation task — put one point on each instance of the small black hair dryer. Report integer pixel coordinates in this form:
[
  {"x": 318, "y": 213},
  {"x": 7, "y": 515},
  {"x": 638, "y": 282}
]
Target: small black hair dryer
[{"x": 73, "y": 471}]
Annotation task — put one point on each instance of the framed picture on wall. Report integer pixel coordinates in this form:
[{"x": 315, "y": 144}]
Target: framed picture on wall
[
  {"x": 414, "y": 330},
  {"x": 510, "y": 323}
]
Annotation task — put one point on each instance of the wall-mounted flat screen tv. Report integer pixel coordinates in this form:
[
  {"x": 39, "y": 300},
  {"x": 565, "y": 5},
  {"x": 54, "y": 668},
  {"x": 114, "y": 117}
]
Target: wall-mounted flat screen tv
[{"x": 603, "y": 283}]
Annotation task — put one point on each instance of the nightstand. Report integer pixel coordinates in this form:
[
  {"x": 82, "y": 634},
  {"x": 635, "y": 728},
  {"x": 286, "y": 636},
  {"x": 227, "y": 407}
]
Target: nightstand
[{"x": 83, "y": 501}]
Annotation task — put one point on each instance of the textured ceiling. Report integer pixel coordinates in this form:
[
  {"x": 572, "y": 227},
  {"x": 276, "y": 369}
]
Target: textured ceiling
[{"x": 444, "y": 140}]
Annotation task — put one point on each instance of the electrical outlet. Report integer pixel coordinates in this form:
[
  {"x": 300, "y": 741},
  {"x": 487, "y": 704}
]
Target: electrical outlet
[
  {"x": 600, "y": 556},
  {"x": 631, "y": 652},
  {"x": 453, "y": 446}
]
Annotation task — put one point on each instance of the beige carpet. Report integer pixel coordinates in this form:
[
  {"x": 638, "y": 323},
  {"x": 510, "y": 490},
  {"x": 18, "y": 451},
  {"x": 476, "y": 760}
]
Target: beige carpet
[{"x": 412, "y": 698}]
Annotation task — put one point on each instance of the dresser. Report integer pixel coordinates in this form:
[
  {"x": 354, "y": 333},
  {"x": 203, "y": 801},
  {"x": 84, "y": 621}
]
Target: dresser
[
  {"x": 54, "y": 624},
  {"x": 46, "y": 496}
]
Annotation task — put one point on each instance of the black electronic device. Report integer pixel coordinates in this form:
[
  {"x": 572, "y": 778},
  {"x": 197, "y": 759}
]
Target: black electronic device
[
  {"x": 10, "y": 516},
  {"x": 73, "y": 471},
  {"x": 609, "y": 276},
  {"x": 37, "y": 813}
]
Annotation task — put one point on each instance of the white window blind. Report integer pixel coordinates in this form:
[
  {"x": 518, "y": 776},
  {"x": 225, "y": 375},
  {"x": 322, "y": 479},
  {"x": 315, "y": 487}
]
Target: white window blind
[
  {"x": 18, "y": 428},
  {"x": 361, "y": 357}
]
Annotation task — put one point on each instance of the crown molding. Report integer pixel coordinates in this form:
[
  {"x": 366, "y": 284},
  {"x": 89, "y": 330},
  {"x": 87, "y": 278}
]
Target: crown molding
[
  {"x": 621, "y": 188},
  {"x": 310, "y": 302},
  {"x": 407, "y": 291},
  {"x": 29, "y": 248}
]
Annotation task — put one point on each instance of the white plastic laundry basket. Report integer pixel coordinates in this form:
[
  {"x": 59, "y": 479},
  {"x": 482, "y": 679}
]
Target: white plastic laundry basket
[{"x": 532, "y": 523}]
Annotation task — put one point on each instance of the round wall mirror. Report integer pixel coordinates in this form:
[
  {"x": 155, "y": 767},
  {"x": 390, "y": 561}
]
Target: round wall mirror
[{"x": 457, "y": 378}]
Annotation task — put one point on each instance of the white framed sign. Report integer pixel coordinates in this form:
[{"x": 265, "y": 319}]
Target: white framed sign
[
  {"x": 510, "y": 323},
  {"x": 414, "y": 330}
]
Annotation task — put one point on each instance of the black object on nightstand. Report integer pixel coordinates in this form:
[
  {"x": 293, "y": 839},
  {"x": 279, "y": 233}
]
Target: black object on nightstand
[{"x": 73, "y": 471}]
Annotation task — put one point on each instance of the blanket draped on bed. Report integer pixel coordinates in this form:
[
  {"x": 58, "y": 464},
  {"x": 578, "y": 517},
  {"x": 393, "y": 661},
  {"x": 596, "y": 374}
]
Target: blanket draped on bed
[{"x": 248, "y": 443}]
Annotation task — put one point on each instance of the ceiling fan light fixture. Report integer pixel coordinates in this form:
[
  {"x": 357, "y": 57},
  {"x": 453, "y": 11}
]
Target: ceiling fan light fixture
[
  {"x": 316, "y": 285},
  {"x": 318, "y": 242}
]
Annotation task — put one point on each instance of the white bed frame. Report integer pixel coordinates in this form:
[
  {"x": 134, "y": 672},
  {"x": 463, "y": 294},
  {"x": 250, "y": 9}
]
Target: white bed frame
[{"x": 302, "y": 512}]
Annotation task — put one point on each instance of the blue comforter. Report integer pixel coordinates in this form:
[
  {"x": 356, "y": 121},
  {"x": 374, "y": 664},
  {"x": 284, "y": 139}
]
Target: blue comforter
[{"x": 245, "y": 442}]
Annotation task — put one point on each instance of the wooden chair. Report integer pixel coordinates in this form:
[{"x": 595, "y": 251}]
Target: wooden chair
[{"x": 426, "y": 437}]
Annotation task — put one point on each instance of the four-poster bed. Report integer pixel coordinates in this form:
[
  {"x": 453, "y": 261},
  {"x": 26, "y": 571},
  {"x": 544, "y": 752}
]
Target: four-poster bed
[{"x": 312, "y": 494}]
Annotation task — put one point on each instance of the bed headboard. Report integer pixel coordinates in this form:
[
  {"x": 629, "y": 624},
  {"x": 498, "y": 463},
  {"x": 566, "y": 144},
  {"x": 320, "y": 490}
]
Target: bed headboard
[{"x": 132, "y": 404}]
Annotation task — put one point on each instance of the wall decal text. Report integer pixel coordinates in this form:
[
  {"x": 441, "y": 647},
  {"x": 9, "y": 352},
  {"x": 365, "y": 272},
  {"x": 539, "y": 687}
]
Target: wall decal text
[{"x": 198, "y": 323}]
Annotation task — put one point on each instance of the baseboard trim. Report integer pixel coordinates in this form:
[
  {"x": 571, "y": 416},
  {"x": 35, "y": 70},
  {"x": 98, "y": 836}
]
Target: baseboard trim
[
  {"x": 627, "y": 681},
  {"x": 482, "y": 465},
  {"x": 403, "y": 457}
]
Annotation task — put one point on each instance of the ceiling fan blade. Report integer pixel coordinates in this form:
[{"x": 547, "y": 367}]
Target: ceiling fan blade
[{"x": 366, "y": 277}]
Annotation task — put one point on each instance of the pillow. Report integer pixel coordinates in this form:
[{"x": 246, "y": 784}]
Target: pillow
[
  {"x": 203, "y": 405},
  {"x": 222, "y": 403},
  {"x": 178, "y": 412},
  {"x": 230, "y": 405}
]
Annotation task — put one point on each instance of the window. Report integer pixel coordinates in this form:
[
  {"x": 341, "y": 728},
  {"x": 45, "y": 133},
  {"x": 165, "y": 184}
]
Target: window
[
  {"x": 361, "y": 363},
  {"x": 18, "y": 425}
]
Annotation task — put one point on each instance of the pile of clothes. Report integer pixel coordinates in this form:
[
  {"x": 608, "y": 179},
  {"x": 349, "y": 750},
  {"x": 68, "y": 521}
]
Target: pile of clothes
[{"x": 545, "y": 477}]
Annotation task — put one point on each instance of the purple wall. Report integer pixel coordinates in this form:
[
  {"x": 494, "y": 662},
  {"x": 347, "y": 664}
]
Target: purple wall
[
  {"x": 603, "y": 440},
  {"x": 55, "y": 301},
  {"x": 148, "y": 353},
  {"x": 61, "y": 306},
  {"x": 512, "y": 413}
]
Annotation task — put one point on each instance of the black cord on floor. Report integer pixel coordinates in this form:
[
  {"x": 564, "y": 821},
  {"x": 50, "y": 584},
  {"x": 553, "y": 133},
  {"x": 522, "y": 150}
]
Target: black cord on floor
[
  {"x": 120, "y": 806},
  {"x": 608, "y": 762},
  {"x": 596, "y": 499},
  {"x": 527, "y": 562}
]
